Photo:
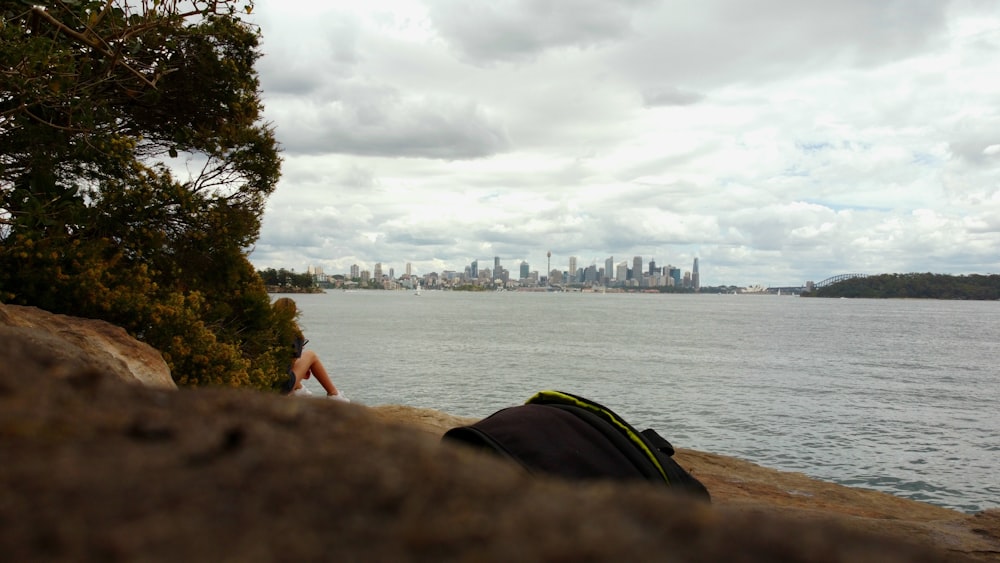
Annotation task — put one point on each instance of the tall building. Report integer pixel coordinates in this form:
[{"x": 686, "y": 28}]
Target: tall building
[
  {"x": 571, "y": 272},
  {"x": 474, "y": 270},
  {"x": 409, "y": 270},
  {"x": 622, "y": 272},
  {"x": 525, "y": 270},
  {"x": 652, "y": 266},
  {"x": 378, "y": 271},
  {"x": 695, "y": 279},
  {"x": 609, "y": 266},
  {"x": 355, "y": 271},
  {"x": 675, "y": 274},
  {"x": 637, "y": 269},
  {"x": 496, "y": 263}
]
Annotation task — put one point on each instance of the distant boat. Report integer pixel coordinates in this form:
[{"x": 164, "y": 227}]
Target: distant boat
[{"x": 417, "y": 292}]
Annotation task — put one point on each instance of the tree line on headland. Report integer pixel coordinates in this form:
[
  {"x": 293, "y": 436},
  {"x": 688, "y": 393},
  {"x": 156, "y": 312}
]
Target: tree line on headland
[{"x": 914, "y": 286}]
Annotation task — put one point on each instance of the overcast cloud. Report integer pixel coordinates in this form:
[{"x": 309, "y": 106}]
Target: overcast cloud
[{"x": 778, "y": 141}]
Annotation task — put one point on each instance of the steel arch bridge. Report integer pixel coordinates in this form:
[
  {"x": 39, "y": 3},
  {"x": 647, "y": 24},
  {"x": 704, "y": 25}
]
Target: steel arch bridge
[{"x": 839, "y": 278}]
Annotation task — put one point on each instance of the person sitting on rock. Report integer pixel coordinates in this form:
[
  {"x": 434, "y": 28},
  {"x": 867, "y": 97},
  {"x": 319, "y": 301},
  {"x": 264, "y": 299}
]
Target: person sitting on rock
[{"x": 305, "y": 363}]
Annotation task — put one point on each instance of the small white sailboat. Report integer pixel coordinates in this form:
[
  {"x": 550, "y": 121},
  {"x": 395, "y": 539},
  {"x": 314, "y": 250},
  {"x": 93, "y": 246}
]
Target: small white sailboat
[{"x": 417, "y": 291}]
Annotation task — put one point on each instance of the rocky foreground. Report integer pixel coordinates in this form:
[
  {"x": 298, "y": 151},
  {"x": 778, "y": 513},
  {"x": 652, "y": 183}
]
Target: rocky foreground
[{"x": 95, "y": 468}]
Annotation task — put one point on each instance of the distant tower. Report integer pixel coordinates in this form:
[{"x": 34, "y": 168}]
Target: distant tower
[
  {"x": 572, "y": 269},
  {"x": 409, "y": 270},
  {"x": 695, "y": 280},
  {"x": 475, "y": 269},
  {"x": 621, "y": 274},
  {"x": 548, "y": 267},
  {"x": 496, "y": 266},
  {"x": 637, "y": 269},
  {"x": 525, "y": 269},
  {"x": 609, "y": 267}
]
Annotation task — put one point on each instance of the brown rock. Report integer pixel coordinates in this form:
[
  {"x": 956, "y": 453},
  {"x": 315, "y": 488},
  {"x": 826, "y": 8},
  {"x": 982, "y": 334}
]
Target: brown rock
[
  {"x": 73, "y": 342},
  {"x": 95, "y": 470}
]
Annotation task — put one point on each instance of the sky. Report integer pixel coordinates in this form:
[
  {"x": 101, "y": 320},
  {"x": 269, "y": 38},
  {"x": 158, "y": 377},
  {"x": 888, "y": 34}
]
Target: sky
[{"x": 778, "y": 141}]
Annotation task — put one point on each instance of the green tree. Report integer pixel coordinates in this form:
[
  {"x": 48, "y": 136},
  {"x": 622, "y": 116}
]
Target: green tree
[
  {"x": 914, "y": 285},
  {"x": 286, "y": 279},
  {"x": 101, "y": 102}
]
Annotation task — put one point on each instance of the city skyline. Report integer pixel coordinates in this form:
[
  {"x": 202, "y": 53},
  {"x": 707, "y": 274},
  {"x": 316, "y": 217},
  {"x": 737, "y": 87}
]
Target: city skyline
[{"x": 611, "y": 272}]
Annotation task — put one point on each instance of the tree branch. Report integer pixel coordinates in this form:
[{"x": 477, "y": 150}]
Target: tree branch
[{"x": 81, "y": 38}]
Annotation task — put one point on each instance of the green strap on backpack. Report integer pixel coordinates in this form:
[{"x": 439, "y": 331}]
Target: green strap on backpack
[{"x": 560, "y": 398}]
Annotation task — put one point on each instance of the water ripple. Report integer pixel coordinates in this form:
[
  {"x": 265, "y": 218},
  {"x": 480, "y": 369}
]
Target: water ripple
[{"x": 897, "y": 396}]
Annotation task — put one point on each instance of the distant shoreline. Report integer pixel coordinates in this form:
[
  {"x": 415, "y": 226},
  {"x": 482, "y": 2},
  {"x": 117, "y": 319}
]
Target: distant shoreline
[{"x": 276, "y": 289}]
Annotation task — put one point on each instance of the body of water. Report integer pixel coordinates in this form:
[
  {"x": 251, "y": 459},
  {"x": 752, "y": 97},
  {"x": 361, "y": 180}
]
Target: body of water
[{"x": 894, "y": 395}]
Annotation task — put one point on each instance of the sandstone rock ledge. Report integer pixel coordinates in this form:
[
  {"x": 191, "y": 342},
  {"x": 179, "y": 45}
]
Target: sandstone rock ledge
[
  {"x": 94, "y": 469},
  {"x": 741, "y": 487},
  {"x": 63, "y": 344}
]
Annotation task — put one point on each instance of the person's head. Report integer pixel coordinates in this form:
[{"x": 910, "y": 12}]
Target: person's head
[
  {"x": 287, "y": 314},
  {"x": 286, "y": 306}
]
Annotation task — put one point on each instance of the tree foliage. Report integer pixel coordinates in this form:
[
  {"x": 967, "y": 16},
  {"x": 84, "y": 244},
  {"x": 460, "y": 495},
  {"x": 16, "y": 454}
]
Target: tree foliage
[
  {"x": 286, "y": 279},
  {"x": 915, "y": 286},
  {"x": 134, "y": 167}
]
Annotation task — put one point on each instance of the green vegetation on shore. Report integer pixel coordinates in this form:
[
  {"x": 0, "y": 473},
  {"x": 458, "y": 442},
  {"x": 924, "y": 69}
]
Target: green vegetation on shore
[
  {"x": 915, "y": 286},
  {"x": 286, "y": 281},
  {"x": 101, "y": 103}
]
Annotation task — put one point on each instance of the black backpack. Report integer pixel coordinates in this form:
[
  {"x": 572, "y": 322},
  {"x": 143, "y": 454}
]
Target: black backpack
[{"x": 573, "y": 437}]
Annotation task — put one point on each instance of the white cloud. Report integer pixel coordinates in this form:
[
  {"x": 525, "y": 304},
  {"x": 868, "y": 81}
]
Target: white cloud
[{"x": 778, "y": 141}]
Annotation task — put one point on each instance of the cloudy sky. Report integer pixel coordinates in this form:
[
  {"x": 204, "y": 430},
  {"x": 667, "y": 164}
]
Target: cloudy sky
[{"x": 778, "y": 141}]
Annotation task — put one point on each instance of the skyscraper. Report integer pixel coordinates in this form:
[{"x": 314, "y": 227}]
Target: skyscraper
[
  {"x": 571, "y": 273},
  {"x": 474, "y": 273},
  {"x": 675, "y": 274},
  {"x": 637, "y": 269},
  {"x": 496, "y": 266},
  {"x": 695, "y": 279},
  {"x": 525, "y": 269},
  {"x": 609, "y": 267},
  {"x": 622, "y": 272}
]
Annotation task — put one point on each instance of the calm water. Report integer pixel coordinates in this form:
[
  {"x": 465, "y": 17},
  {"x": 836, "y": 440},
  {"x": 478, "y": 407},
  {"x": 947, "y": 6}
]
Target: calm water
[{"x": 894, "y": 395}]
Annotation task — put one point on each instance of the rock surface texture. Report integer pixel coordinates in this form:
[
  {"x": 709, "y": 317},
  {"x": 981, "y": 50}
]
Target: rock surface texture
[
  {"x": 69, "y": 343},
  {"x": 94, "y": 469}
]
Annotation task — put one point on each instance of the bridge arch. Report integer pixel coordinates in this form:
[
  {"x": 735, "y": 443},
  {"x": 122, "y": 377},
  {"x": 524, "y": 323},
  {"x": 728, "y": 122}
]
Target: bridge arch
[{"x": 839, "y": 278}]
